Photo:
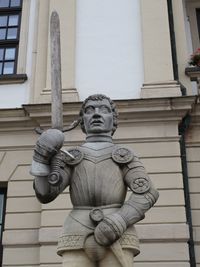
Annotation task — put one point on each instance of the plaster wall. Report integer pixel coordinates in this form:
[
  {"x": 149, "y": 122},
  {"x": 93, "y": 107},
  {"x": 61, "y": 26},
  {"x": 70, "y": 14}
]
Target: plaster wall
[
  {"x": 109, "y": 57},
  {"x": 14, "y": 95}
]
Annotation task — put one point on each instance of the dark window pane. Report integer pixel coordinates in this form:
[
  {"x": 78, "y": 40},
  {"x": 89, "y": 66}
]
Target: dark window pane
[
  {"x": 198, "y": 20},
  {"x": 4, "y": 3},
  {"x": 10, "y": 54},
  {"x": 12, "y": 33},
  {"x": 8, "y": 68},
  {"x": 2, "y": 34},
  {"x": 1, "y": 53},
  {"x": 13, "y": 20},
  {"x": 1, "y": 207},
  {"x": 15, "y": 3},
  {"x": 3, "y": 21},
  {"x": 1, "y": 64}
]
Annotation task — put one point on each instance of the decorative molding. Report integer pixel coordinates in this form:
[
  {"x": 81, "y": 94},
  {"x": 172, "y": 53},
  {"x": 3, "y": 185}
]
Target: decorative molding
[
  {"x": 193, "y": 73},
  {"x": 13, "y": 78},
  {"x": 161, "y": 89},
  {"x": 15, "y": 119},
  {"x": 137, "y": 111}
]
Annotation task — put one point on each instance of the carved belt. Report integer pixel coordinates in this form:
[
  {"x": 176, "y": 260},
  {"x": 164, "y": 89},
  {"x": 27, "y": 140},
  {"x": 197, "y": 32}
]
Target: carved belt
[{"x": 96, "y": 214}]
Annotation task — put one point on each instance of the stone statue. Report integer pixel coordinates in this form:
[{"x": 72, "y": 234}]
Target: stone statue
[{"x": 99, "y": 231}]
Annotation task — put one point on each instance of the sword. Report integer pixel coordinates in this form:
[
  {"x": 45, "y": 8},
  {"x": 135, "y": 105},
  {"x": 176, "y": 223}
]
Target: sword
[
  {"x": 56, "y": 81},
  {"x": 56, "y": 87},
  {"x": 56, "y": 84}
]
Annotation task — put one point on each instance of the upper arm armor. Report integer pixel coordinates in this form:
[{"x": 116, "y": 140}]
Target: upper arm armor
[{"x": 134, "y": 173}]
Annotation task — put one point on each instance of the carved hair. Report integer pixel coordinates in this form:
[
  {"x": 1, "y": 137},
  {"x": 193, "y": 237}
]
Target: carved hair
[{"x": 99, "y": 97}]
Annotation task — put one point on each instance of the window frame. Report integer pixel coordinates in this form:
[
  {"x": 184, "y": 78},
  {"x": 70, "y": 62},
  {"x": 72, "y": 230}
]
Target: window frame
[
  {"x": 191, "y": 7},
  {"x": 12, "y": 43}
]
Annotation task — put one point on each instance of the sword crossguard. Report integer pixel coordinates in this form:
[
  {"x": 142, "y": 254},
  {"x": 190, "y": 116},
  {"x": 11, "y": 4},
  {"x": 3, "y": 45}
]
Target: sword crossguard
[{"x": 72, "y": 126}]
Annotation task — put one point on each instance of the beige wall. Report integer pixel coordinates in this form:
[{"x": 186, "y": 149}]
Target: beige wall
[
  {"x": 158, "y": 68},
  {"x": 41, "y": 81},
  {"x": 150, "y": 127}
]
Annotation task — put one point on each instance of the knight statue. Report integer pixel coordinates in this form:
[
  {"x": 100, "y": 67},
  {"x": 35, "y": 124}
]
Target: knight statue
[{"x": 99, "y": 230}]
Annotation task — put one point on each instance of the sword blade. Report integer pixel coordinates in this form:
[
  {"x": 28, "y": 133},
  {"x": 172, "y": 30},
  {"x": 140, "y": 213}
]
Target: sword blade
[{"x": 56, "y": 87}]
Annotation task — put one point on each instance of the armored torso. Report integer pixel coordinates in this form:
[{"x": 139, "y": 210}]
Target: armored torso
[{"x": 97, "y": 179}]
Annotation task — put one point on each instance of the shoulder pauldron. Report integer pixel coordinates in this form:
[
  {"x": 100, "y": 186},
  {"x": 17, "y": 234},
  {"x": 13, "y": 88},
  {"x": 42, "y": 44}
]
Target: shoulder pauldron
[
  {"x": 77, "y": 154},
  {"x": 122, "y": 155}
]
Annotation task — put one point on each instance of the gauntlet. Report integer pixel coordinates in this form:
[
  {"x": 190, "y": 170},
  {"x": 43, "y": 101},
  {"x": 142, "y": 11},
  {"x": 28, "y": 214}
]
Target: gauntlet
[
  {"x": 47, "y": 145},
  {"x": 110, "y": 229}
]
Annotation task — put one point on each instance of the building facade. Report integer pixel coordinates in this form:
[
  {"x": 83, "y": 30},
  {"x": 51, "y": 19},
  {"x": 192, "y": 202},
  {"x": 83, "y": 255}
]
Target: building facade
[{"x": 136, "y": 52}]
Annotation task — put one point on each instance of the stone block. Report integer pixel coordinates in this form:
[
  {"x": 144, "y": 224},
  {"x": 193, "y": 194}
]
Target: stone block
[
  {"x": 20, "y": 189},
  {"x": 156, "y": 252},
  {"x": 22, "y": 221},
  {"x": 23, "y": 204},
  {"x": 20, "y": 256}
]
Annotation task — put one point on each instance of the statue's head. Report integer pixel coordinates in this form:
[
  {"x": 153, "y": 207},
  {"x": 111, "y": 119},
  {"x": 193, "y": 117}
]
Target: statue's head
[{"x": 98, "y": 115}]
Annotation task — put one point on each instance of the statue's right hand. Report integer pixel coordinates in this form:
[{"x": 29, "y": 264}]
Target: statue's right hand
[{"x": 47, "y": 145}]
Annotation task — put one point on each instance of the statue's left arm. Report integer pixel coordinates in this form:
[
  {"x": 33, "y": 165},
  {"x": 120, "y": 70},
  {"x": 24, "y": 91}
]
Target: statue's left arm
[{"x": 142, "y": 198}]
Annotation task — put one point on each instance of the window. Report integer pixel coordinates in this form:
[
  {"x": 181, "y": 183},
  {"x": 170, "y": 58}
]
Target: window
[
  {"x": 198, "y": 20},
  {"x": 10, "y": 18},
  {"x": 193, "y": 13},
  {"x": 2, "y": 217}
]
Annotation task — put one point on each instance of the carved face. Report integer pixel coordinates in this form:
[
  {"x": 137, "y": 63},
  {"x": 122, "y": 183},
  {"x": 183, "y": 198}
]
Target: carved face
[{"x": 98, "y": 117}]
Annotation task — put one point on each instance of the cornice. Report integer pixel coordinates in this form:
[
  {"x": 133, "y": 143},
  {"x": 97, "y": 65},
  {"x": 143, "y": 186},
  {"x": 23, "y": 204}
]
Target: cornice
[
  {"x": 193, "y": 73},
  {"x": 15, "y": 119},
  {"x": 155, "y": 109},
  {"x": 13, "y": 78},
  {"x": 30, "y": 116}
]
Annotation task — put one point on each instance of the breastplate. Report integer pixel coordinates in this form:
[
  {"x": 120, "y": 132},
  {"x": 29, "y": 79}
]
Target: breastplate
[{"x": 97, "y": 180}]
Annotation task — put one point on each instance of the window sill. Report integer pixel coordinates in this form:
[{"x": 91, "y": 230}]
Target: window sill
[
  {"x": 193, "y": 73},
  {"x": 12, "y": 78}
]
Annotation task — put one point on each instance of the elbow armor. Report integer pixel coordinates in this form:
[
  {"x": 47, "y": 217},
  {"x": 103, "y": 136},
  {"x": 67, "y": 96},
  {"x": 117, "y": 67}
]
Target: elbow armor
[{"x": 143, "y": 196}]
